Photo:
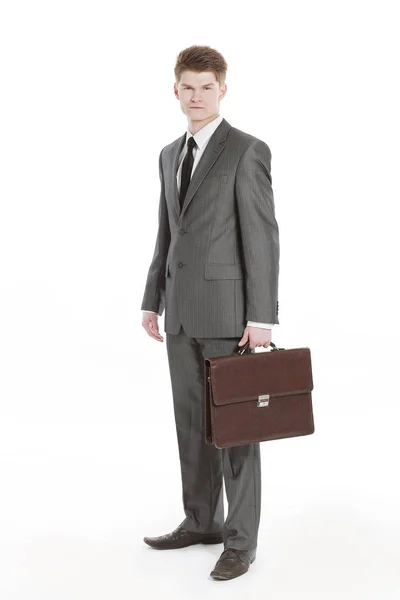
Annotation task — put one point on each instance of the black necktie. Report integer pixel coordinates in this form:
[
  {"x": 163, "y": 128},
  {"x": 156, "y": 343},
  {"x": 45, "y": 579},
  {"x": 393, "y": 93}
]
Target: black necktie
[{"x": 186, "y": 170}]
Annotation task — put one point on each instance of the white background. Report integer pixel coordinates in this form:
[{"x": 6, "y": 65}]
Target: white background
[{"x": 88, "y": 453}]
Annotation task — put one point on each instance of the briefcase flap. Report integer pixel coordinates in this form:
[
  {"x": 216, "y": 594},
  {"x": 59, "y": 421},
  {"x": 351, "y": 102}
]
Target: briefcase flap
[{"x": 238, "y": 378}]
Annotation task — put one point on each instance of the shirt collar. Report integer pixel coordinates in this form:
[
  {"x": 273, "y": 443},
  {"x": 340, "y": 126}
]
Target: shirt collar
[{"x": 205, "y": 132}]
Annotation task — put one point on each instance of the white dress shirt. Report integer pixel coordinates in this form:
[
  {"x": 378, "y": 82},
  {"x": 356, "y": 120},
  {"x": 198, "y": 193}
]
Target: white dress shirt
[{"x": 202, "y": 138}]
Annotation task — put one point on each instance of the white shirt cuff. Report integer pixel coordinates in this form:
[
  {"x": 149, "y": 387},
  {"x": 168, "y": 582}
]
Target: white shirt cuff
[{"x": 262, "y": 325}]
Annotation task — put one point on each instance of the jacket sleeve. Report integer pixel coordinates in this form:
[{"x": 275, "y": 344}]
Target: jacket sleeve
[
  {"x": 259, "y": 232},
  {"x": 154, "y": 293}
]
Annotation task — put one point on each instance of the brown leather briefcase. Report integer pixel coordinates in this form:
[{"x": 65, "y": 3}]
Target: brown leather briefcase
[{"x": 258, "y": 396}]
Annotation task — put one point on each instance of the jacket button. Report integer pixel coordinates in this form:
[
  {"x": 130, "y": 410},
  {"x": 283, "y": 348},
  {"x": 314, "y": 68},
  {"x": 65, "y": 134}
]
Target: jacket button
[
  {"x": 181, "y": 231},
  {"x": 180, "y": 265}
]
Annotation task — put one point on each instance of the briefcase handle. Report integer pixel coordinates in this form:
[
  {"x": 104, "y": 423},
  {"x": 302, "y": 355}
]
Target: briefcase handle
[{"x": 242, "y": 349}]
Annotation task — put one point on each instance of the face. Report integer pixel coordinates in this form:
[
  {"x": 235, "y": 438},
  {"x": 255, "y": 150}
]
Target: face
[{"x": 199, "y": 95}]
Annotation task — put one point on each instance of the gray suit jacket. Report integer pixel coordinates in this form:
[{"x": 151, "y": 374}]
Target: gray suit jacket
[{"x": 216, "y": 263}]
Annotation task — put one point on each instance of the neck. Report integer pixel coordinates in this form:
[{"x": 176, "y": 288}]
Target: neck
[{"x": 195, "y": 126}]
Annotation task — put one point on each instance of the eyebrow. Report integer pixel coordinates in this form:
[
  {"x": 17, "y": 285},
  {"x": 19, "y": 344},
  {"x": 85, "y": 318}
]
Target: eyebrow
[{"x": 188, "y": 84}]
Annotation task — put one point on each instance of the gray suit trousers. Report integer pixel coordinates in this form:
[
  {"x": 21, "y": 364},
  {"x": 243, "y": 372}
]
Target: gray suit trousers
[{"x": 204, "y": 467}]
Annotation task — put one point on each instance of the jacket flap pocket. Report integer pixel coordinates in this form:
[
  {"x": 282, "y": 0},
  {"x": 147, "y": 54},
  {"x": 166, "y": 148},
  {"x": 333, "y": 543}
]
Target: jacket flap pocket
[{"x": 223, "y": 271}]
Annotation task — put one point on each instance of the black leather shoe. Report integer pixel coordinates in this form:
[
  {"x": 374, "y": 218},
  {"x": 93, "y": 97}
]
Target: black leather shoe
[
  {"x": 180, "y": 538},
  {"x": 233, "y": 563}
]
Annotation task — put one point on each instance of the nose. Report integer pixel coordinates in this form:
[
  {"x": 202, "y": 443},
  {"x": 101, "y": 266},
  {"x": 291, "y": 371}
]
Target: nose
[{"x": 196, "y": 96}]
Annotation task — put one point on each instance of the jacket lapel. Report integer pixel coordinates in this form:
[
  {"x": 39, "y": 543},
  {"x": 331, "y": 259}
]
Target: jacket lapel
[
  {"x": 215, "y": 146},
  {"x": 175, "y": 157}
]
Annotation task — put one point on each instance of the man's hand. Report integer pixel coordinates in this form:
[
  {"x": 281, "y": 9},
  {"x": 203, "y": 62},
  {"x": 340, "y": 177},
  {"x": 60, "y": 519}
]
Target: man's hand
[
  {"x": 150, "y": 323},
  {"x": 257, "y": 336}
]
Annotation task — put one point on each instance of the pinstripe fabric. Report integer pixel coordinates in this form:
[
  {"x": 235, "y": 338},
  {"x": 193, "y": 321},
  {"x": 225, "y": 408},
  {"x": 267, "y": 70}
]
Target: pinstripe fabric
[
  {"x": 215, "y": 264},
  {"x": 204, "y": 467}
]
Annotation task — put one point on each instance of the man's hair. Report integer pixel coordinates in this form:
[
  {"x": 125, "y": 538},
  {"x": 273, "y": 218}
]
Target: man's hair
[{"x": 199, "y": 59}]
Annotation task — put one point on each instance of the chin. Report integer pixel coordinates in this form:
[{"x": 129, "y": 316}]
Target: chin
[{"x": 197, "y": 114}]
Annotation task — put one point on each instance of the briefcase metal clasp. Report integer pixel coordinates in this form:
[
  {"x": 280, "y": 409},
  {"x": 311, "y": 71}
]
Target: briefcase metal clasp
[{"x": 263, "y": 400}]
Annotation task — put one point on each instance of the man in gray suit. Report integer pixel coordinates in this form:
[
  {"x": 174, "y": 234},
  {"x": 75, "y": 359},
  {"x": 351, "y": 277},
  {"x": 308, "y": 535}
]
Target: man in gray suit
[{"x": 215, "y": 271}]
